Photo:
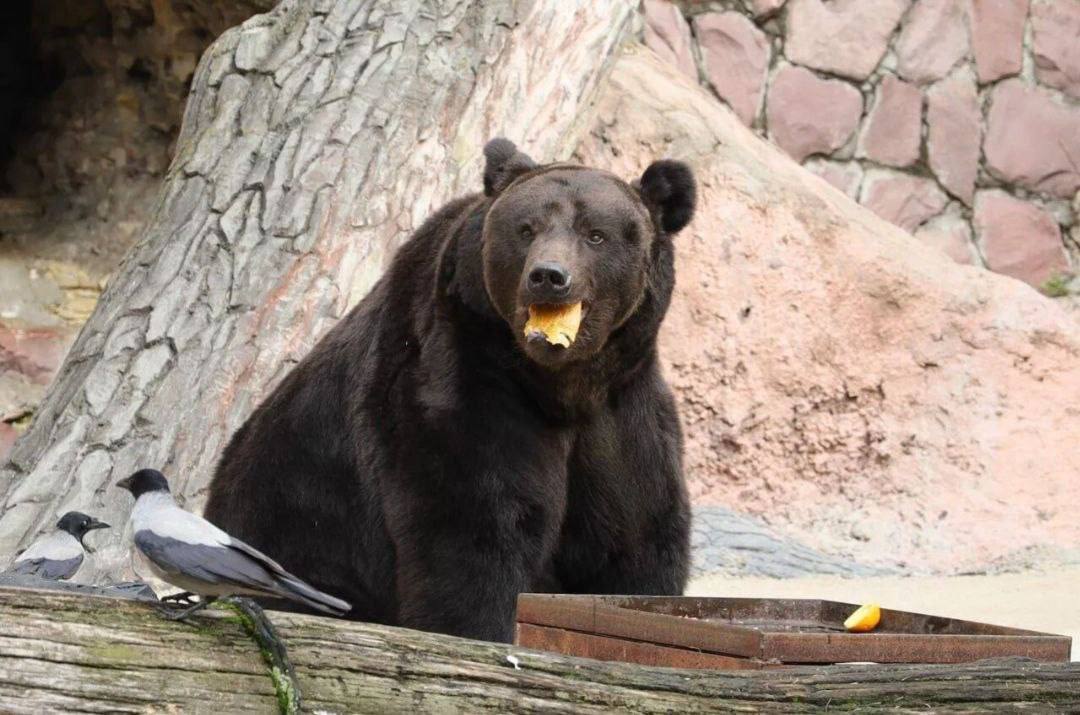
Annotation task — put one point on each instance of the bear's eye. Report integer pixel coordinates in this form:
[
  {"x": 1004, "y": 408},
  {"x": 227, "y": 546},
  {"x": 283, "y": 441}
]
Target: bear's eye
[
  {"x": 596, "y": 238},
  {"x": 526, "y": 232}
]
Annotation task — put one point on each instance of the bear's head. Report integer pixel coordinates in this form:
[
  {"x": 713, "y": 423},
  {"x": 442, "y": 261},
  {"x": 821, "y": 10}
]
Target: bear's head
[{"x": 568, "y": 251}]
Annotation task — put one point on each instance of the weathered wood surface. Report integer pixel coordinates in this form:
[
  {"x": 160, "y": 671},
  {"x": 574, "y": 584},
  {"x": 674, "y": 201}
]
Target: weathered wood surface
[
  {"x": 60, "y": 652},
  {"x": 315, "y": 138}
]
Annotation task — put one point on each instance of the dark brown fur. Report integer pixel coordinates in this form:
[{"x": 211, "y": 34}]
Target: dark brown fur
[{"x": 427, "y": 463}]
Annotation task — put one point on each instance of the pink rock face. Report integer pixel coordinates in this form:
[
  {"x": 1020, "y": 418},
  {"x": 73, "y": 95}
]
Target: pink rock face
[
  {"x": 997, "y": 37},
  {"x": 668, "y": 35},
  {"x": 809, "y": 115},
  {"x": 736, "y": 55},
  {"x": 950, "y": 234},
  {"x": 954, "y": 133},
  {"x": 901, "y": 199},
  {"x": 933, "y": 40},
  {"x": 831, "y": 371},
  {"x": 35, "y": 353},
  {"x": 845, "y": 37},
  {"x": 892, "y": 131},
  {"x": 1033, "y": 140},
  {"x": 844, "y": 175},
  {"x": 1056, "y": 34},
  {"x": 1018, "y": 238}
]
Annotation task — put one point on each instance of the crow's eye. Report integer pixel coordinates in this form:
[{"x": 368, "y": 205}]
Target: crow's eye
[
  {"x": 596, "y": 238},
  {"x": 526, "y": 232}
]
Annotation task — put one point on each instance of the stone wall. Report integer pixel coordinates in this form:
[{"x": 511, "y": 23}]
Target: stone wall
[{"x": 958, "y": 120}]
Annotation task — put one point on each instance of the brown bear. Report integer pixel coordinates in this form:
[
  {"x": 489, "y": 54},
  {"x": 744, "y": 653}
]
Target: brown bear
[{"x": 491, "y": 418}]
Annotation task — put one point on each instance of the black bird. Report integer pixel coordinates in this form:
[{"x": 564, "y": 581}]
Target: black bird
[
  {"x": 59, "y": 554},
  {"x": 189, "y": 552}
]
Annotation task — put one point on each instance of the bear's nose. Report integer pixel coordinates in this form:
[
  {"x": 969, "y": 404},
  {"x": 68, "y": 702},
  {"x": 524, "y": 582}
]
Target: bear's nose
[{"x": 549, "y": 279}]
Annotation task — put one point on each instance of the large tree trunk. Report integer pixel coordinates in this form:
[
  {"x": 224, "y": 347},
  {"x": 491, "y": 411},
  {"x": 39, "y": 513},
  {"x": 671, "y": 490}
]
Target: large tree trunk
[
  {"x": 62, "y": 653},
  {"x": 315, "y": 139}
]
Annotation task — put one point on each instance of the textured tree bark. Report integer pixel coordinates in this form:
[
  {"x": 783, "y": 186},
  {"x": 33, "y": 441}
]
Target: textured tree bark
[
  {"x": 316, "y": 137},
  {"x": 64, "y": 653}
]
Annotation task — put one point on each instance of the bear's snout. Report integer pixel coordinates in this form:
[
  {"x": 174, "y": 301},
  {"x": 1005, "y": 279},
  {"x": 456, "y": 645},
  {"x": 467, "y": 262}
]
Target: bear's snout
[{"x": 548, "y": 282}]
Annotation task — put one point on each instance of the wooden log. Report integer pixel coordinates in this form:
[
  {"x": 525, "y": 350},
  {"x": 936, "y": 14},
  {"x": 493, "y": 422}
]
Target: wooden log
[
  {"x": 61, "y": 652},
  {"x": 316, "y": 137}
]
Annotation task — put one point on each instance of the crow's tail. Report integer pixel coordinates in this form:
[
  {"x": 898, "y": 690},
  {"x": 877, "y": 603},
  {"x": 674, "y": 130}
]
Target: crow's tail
[{"x": 294, "y": 589}]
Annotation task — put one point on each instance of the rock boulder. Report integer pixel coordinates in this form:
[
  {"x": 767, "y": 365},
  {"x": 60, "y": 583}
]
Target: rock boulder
[{"x": 837, "y": 378}]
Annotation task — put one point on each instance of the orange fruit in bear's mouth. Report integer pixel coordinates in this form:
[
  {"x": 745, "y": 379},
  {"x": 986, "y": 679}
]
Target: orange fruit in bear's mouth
[{"x": 557, "y": 324}]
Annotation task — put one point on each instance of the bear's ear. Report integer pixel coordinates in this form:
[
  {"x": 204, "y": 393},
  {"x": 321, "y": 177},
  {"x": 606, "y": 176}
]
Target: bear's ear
[
  {"x": 668, "y": 189},
  {"x": 504, "y": 164}
]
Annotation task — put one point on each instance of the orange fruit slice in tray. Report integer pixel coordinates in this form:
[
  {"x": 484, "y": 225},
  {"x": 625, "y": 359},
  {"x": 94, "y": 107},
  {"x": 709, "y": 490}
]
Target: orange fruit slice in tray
[{"x": 864, "y": 619}]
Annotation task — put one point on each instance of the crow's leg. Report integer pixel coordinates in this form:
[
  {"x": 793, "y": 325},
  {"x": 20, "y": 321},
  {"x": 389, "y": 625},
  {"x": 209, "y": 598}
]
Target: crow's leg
[
  {"x": 183, "y": 597},
  {"x": 174, "y": 615}
]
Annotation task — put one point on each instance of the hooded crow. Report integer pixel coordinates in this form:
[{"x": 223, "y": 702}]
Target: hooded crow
[
  {"x": 189, "y": 552},
  {"x": 59, "y": 554}
]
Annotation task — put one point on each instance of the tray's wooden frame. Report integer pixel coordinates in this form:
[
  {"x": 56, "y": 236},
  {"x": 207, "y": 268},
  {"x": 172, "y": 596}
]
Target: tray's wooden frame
[{"x": 741, "y": 633}]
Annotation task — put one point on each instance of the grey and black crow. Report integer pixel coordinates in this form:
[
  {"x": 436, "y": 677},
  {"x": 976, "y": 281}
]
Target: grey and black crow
[
  {"x": 189, "y": 552},
  {"x": 59, "y": 554}
]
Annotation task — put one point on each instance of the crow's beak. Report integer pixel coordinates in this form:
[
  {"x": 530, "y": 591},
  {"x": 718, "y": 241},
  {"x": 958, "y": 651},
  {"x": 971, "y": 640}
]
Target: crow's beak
[
  {"x": 94, "y": 524},
  {"x": 125, "y": 483}
]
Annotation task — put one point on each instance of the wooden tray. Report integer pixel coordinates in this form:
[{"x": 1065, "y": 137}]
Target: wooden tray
[{"x": 751, "y": 633}]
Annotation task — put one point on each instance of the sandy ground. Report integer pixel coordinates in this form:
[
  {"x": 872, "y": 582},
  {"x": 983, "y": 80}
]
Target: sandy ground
[{"x": 1048, "y": 602}]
